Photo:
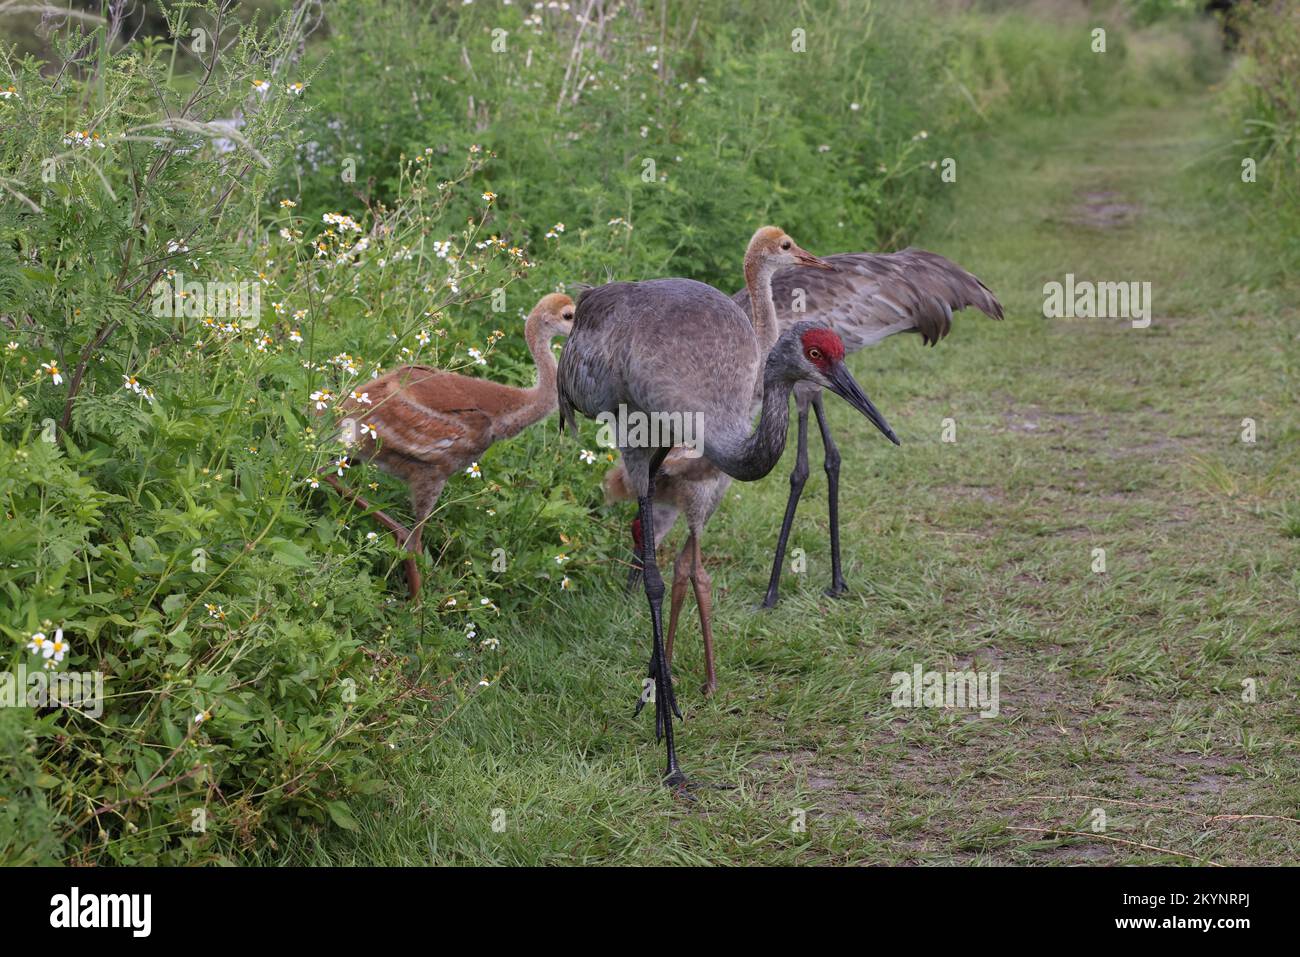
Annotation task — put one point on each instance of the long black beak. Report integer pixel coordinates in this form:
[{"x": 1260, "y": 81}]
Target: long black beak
[{"x": 847, "y": 388}]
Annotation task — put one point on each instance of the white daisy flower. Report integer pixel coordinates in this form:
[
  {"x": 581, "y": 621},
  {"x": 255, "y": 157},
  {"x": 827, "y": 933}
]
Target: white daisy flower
[{"x": 56, "y": 648}]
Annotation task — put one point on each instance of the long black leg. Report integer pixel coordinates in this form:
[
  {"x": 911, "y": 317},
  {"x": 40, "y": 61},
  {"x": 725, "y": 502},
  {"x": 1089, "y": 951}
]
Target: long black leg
[
  {"x": 838, "y": 585},
  {"x": 665, "y": 701},
  {"x": 797, "y": 479}
]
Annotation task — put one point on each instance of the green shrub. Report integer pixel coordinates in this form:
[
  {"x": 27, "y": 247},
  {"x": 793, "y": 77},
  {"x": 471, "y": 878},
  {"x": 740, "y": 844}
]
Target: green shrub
[
  {"x": 157, "y": 460},
  {"x": 1264, "y": 96}
]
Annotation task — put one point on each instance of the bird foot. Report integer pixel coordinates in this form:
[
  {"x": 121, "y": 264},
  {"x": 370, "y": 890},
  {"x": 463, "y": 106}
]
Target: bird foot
[
  {"x": 769, "y": 601},
  {"x": 837, "y": 589},
  {"x": 679, "y": 784},
  {"x": 708, "y": 688}
]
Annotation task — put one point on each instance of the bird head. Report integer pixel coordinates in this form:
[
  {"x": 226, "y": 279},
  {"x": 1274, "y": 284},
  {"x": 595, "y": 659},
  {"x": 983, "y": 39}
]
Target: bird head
[
  {"x": 813, "y": 353},
  {"x": 773, "y": 247},
  {"x": 553, "y": 314}
]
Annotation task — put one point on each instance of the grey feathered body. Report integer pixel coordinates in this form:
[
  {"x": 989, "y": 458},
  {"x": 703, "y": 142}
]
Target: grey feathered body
[{"x": 662, "y": 346}]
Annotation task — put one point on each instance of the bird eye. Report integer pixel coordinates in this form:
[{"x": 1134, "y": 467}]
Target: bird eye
[
  {"x": 814, "y": 354},
  {"x": 785, "y": 244}
]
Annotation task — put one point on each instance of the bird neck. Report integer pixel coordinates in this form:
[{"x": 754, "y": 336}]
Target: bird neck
[
  {"x": 758, "y": 282},
  {"x": 747, "y": 455},
  {"x": 541, "y": 400}
]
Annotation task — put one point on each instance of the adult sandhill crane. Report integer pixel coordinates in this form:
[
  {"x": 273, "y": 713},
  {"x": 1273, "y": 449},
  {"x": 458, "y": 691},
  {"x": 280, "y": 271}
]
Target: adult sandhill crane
[
  {"x": 866, "y": 298},
  {"x": 669, "y": 352},
  {"x": 423, "y": 424},
  {"x": 695, "y": 487}
]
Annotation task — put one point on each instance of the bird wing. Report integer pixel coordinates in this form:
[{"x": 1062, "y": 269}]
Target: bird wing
[
  {"x": 870, "y": 296},
  {"x": 423, "y": 412},
  {"x": 585, "y": 379}
]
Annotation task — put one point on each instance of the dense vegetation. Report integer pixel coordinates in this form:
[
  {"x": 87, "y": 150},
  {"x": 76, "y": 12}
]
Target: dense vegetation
[
  {"x": 377, "y": 176},
  {"x": 1264, "y": 97}
]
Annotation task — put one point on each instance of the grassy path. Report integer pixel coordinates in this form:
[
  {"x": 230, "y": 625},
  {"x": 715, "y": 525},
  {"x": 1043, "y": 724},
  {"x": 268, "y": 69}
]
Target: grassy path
[{"x": 1119, "y": 691}]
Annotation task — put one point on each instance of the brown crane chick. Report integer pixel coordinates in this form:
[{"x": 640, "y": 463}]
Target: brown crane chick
[{"x": 422, "y": 424}]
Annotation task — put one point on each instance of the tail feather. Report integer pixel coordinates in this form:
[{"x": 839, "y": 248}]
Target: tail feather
[{"x": 566, "y": 414}]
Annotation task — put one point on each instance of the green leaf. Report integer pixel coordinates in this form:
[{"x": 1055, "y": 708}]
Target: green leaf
[
  {"x": 289, "y": 553},
  {"x": 342, "y": 816},
  {"x": 37, "y": 274}
]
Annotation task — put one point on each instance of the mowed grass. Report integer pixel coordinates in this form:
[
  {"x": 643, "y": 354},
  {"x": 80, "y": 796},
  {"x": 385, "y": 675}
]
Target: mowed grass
[{"x": 1119, "y": 690}]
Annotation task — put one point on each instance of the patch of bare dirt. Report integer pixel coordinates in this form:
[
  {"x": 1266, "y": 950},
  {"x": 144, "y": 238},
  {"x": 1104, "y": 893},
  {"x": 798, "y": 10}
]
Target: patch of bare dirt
[{"x": 1103, "y": 209}]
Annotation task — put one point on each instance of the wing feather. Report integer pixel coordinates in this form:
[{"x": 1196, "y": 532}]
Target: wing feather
[{"x": 870, "y": 296}]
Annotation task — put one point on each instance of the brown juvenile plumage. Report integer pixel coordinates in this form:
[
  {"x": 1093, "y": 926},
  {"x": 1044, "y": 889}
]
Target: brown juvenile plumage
[{"x": 428, "y": 424}]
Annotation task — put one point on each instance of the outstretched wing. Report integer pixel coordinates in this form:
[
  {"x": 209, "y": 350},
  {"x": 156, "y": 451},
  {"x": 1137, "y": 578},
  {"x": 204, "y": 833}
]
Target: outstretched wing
[{"x": 870, "y": 296}]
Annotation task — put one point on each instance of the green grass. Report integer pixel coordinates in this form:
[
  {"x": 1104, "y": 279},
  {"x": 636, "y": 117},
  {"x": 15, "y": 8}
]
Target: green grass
[{"x": 1071, "y": 435}]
